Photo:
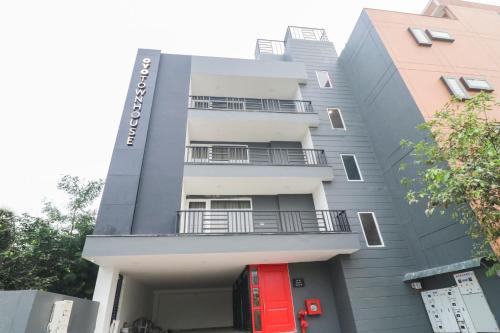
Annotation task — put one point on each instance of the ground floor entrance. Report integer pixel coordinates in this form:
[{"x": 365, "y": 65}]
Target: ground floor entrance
[
  {"x": 259, "y": 300},
  {"x": 262, "y": 300}
]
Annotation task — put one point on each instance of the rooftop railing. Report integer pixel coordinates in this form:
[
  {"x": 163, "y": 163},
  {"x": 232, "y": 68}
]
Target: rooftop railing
[
  {"x": 248, "y": 104},
  {"x": 221, "y": 154},
  {"x": 305, "y": 33},
  {"x": 261, "y": 221},
  {"x": 267, "y": 46}
]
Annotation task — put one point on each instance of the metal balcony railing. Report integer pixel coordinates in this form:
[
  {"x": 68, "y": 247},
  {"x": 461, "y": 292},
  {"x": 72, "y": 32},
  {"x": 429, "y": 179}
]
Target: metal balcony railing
[
  {"x": 261, "y": 221},
  {"x": 268, "y": 46},
  {"x": 220, "y": 154},
  {"x": 248, "y": 104},
  {"x": 305, "y": 33}
]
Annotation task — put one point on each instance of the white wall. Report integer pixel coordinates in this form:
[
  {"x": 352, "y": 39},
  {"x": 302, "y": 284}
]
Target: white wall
[
  {"x": 104, "y": 293},
  {"x": 319, "y": 198},
  {"x": 136, "y": 300},
  {"x": 188, "y": 309}
]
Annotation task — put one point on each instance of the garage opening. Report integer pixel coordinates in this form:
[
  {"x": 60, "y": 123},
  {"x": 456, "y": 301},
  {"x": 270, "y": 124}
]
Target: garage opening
[
  {"x": 258, "y": 300},
  {"x": 142, "y": 306}
]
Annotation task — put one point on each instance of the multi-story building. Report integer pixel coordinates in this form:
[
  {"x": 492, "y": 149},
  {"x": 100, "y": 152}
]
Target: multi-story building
[{"x": 242, "y": 191}]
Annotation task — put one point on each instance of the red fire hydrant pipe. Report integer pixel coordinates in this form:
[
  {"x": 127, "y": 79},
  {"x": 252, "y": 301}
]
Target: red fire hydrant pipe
[{"x": 303, "y": 322}]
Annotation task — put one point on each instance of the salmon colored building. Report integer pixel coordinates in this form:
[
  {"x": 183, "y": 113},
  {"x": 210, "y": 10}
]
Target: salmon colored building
[
  {"x": 403, "y": 68},
  {"x": 473, "y": 51}
]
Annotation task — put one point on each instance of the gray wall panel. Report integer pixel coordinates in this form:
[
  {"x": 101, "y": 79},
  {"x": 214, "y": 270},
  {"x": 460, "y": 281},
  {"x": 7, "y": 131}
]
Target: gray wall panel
[
  {"x": 120, "y": 191},
  {"x": 385, "y": 100},
  {"x": 15, "y": 310},
  {"x": 160, "y": 187},
  {"x": 370, "y": 195},
  {"x": 317, "y": 285},
  {"x": 28, "y": 311}
]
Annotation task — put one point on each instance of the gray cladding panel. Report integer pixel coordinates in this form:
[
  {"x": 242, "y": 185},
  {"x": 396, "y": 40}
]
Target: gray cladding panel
[
  {"x": 317, "y": 285},
  {"x": 28, "y": 311},
  {"x": 118, "y": 200},
  {"x": 385, "y": 101},
  {"x": 370, "y": 195},
  {"x": 160, "y": 187}
]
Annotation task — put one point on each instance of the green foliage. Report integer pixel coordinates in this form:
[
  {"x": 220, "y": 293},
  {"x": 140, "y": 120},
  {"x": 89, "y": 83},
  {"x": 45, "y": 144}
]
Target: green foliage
[
  {"x": 45, "y": 252},
  {"x": 459, "y": 170}
]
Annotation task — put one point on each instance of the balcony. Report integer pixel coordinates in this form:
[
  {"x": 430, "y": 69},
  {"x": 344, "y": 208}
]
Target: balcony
[
  {"x": 304, "y": 33},
  {"x": 261, "y": 221},
  {"x": 216, "y": 169},
  {"x": 239, "y": 155},
  {"x": 248, "y": 104},
  {"x": 213, "y": 118},
  {"x": 269, "y": 49},
  {"x": 215, "y": 242}
]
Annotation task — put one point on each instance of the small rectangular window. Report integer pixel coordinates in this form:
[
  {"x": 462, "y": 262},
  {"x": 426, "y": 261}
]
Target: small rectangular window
[
  {"x": 476, "y": 84},
  {"x": 439, "y": 35},
  {"x": 336, "y": 119},
  {"x": 370, "y": 228},
  {"x": 324, "y": 79},
  {"x": 351, "y": 167},
  {"x": 455, "y": 87},
  {"x": 420, "y": 36}
]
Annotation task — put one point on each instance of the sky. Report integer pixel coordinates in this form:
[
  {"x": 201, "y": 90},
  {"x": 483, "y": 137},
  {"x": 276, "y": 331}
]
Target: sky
[{"x": 65, "y": 67}]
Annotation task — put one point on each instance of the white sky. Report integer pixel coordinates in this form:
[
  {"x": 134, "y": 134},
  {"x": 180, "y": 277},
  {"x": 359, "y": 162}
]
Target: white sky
[{"x": 65, "y": 68}]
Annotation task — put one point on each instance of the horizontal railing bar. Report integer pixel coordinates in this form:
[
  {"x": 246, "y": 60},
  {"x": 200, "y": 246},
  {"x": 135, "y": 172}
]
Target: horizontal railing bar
[
  {"x": 249, "y": 104},
  {"x": 237, "y": 221},
  {"x": 233, "y": 154}
]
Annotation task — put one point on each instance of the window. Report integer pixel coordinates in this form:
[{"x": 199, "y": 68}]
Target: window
[
  {"x": 476, "y": 84},
  {"x": 206, "y": 153},
  {"x": 370, "y": 229},
  {"x": 336, "y": 118},
  {"x": 439, "y": 35},
  {"x": 420, "y": 36},
  {"x": 351, "y": 167},
  {"x": 218, "y": 215},
  {"x": 324, "y": 79},
  {"x": 455, "y": 87}
]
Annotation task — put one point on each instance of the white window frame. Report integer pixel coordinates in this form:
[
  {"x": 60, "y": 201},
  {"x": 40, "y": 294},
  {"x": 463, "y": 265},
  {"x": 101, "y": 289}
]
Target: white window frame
[
  {"x": 329, "y": 79},
  {"x": 208, "y": 208},
  {"x": 208, "y": 202},
  {"x": 465, "y": 82},
  {"x": 376, "y": 226},
  {"x": 447, "y": 79},
  {"x": 418, "y": 39},
  {"x": 341, "y": 119},
  {"x": 209, "y": 160},
  {"x": 357, "y": 166},
  {"x": 439, "y": 35}
]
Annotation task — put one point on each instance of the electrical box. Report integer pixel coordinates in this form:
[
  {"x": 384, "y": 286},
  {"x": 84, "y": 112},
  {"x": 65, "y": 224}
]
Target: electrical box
[
  {"x": 440, "y": 313},
  {"x": 462, "y": 316},
  {"x": 313, "y": 307},
  {"x": 59, "y": 318},
  {"x": 475, "y": 302}
]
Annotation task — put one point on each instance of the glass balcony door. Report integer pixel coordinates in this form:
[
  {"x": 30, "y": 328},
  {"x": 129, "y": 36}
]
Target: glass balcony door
[{"x": 220, "y": 215}]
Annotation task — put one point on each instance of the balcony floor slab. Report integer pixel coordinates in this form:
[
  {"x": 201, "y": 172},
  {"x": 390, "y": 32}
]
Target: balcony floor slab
[{"x": 188, "y": 260}]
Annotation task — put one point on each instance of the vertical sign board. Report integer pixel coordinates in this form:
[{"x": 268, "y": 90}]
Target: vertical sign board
[{"x": 117, "y": 210}]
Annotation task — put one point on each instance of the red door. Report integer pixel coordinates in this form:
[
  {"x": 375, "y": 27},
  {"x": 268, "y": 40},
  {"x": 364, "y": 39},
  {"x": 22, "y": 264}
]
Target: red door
[{"x": 271, "y": 299}]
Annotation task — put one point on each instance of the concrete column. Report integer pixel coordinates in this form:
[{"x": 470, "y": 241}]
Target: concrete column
[{"x": 104, "y": 293}]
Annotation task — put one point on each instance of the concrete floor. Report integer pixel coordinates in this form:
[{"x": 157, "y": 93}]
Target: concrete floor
[{"x": 210, "y": 330}]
